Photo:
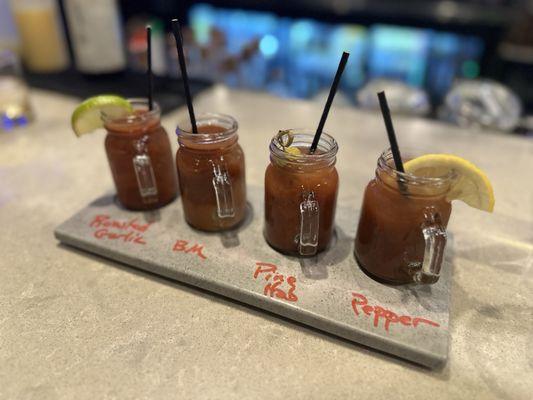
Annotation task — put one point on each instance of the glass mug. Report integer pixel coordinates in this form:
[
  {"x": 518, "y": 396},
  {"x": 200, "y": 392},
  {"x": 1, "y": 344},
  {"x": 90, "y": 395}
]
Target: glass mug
[
  {"x": 401, "y": 235},
  {"x": 211, "y": 172},
  {"x": 139, "y": 154},
  {"x": 301, "y": 195}
]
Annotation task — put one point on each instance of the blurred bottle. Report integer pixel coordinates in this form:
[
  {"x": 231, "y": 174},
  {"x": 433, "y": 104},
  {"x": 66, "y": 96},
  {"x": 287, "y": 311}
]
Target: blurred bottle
[
  {"x": 402, "y": 98},
  {"x": 159, "y": 59},
  {"x": 41, "y": 34},
  {"x": 340, "y": 100},
  {"x": 96, "y": 34},
  {"x": 15, "y": 108},
  {"x": 8, "y": 31},
  {"x": 516, "y": 56},
  {"x": 517, "y": 45},
  {"x": 137, "y": 45},
  {"x": 482, "y": 103}
]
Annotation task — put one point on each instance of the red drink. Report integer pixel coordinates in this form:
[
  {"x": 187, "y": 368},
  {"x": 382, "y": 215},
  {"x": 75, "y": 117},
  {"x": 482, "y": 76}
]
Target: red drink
[
  {"x": 401, "y": 234},
  {"x": 211, "y": 173},
  {"x": 138, "y": 150},
  {"x": 301, "y": 196}
]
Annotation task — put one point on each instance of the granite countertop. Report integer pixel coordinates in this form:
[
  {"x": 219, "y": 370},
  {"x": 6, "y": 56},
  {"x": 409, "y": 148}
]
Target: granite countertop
[{"x": 73, "y": 325}]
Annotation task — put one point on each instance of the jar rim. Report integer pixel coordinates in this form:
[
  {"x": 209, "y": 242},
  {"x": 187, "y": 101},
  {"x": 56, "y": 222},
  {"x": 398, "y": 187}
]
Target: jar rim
[
  {"x": 386, "y": 163},
  {"x": 137, "y": 103},
  {"x": 229, "y": 123},
  {"x": 326, "y": 142}
]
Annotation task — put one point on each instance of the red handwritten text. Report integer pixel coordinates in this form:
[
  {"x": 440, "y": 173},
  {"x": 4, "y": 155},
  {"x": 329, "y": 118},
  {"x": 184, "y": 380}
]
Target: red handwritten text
[
  {"x": 388, "y": 316},
  {"x": 272, "y": 288},
  {"x": 126, "y": 237},
  {"x": 105, "y": 221},
  {"x": 126, "y": 231},
  {"x": 183, "y": 246}
]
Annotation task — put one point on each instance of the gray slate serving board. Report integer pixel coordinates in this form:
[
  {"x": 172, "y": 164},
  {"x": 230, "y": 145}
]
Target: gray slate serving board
[{"x": 328, "y": 292}]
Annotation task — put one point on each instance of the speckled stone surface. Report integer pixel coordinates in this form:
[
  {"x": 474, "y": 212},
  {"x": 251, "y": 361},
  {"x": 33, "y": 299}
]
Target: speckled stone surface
[
  {"x": 77, "y": 326},
  {"x": 239, "y": 264}
]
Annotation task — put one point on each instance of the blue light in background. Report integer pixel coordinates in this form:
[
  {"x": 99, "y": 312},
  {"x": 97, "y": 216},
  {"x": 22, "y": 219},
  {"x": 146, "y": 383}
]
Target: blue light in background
[
  {"x": 301, "y": 34},
  {"x": 353, "y": 39},
  {"x": 297, "y": 57},
  {"x": 399, "y": 53},
  {"x": 8, "y": 123},
  {"x": 269, "y": 46},
  {"x": 202, "y": 18}
]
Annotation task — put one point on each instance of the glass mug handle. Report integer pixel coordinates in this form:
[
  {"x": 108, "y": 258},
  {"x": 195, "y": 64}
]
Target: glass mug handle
[
  {"x": 435, "y": 238},
  {"x": 144, "y": 172},
  {"x": 309, "y": 221},
  {"x": 223, "y": 191}
]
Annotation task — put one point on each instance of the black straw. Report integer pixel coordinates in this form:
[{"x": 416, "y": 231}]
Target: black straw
[
  {"x": 149, "y": 70},
  {"x": 331, "y": 96},
  {"x": 176, "y": 30},
  {"x": 390, "y": 132}
]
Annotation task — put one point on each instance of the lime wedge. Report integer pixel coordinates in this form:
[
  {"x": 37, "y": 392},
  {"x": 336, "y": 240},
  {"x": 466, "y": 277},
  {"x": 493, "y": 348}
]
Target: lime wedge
[
  {"x": 87, "y": 117},
  {"x": 470, "y": 185}
]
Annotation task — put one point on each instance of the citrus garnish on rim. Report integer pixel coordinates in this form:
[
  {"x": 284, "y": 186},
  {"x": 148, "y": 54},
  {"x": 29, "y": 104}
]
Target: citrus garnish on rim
[
  {"x": 87, "y": 117},
  {"x": 470, "y": 184}
]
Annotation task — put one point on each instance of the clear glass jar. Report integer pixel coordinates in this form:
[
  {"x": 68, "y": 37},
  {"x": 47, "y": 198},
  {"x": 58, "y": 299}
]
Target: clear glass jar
[
  {"x": 211, "y": 173},
  {"x": 139, "y": 154},
  {"x": 301, "y": 195},
  {"x": 402, "y": 228},
  {"x": 15, "y": 108}
]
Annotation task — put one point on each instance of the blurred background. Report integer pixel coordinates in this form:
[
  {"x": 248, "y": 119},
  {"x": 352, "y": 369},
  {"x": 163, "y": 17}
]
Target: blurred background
[{"x": 467, "y": 62}]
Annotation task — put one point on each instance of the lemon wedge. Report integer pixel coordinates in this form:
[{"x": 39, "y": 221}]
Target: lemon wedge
[
  {"x": 295, "y": 151},
  {"x": 87, "y": 117},
  {"x": 470, "y": 184}
]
